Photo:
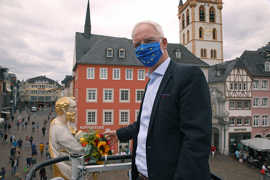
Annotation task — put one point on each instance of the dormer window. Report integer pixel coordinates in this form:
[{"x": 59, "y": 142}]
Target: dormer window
[
  {"x": 109, "y": 52},
  {"x": 122, "y": 53},
  {"x": 267, "y": 66},
  {"x": 178, "y": 53}
]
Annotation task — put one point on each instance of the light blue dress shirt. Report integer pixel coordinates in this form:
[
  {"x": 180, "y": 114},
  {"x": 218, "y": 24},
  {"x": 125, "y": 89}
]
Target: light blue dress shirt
[{"x": 149, "y": 98}]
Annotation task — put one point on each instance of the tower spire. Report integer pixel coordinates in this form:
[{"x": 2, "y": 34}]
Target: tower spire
[
  {"x": 180, "y": 3},
  {"x": 87, "y": 25}
]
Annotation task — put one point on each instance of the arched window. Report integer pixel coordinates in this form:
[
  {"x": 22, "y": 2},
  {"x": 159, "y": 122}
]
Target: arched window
[
  {"x": 187, "y": 17},
  {"x": 267, "y": 66},
  {"x": 183, "y": 21},
  {"x": 187, "y": 36},
  {"x": 205, "y": 52},
  {"x": 201, "y": 33},
  {"x": 213, "y": 54},
  {"x": 201, "y": 52},
  {"x": 212, "y": 15},
  {"x": 214, "y": 34},
  {"x": 184, "y": 38},
  {"x": 202, "y": 13}
]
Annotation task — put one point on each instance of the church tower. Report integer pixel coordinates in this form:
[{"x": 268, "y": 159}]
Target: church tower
[{"x": 201, "y": 30}]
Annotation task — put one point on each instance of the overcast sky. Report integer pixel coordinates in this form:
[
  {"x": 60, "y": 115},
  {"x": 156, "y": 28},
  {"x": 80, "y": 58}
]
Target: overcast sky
[{"x": 37, "y": 36}]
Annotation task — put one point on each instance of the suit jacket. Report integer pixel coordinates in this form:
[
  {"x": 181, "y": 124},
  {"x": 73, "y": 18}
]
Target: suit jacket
[{"x": 179, "y": 133}]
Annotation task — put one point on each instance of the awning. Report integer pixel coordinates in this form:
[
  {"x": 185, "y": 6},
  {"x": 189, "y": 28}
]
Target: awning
[
  {"x": 5, "y": 112},
  {"x": 259, "y": 144},
  {"x": 2, "y": 120}
]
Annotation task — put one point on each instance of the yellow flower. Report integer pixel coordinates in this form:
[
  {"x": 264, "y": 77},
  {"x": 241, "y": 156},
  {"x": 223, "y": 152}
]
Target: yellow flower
[
  {"x": 82, "y": 140},
  {"x": 97, "y": 136},
  {"x": 103, "y": 148}
]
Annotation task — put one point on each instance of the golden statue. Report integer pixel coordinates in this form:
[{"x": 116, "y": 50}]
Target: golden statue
[{"x": 62, "y": 139}]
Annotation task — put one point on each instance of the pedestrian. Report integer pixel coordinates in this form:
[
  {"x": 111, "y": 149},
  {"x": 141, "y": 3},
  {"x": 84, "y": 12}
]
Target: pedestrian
[
  {"x": 42, "y": 174},
  {"x": 14, "y": 143},
  {"x": 37, "y": 126},
  {"x": 9, "y": 126},
  {"x": 34, "y": 149},
  {"x": 41, "y": 149},
  {"x": 213, "y": 150},
  {"x": 5, "y": 137},
  {"x": 2, "y": 173},
  {"x": 31, "y": 140},
  {"x": 47, "y": 153},
  {"x": 18, "y": 125},
  {"x": 43, "y": 130},
  {"x": 237, "y": 154},
  {"x": 20, "y": 142},
  {"x": 28, "y": 118},
  {"x": 12, "y": 152},
  {"x": 174, "y": 123},
  {"x": 25, "y": 124},
  {"x": 33, "y": 126}
]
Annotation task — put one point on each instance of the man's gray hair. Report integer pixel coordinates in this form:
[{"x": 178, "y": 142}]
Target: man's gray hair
[{"x": 155, "y": 25}]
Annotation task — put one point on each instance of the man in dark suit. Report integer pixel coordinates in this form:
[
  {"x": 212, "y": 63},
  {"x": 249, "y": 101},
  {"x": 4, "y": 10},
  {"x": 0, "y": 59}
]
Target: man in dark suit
[{"x": 172, "y": 135}]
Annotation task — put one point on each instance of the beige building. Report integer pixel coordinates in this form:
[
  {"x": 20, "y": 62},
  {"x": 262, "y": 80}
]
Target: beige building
[
  {"x": 200, "y": 25},
  {"x": 39, "y": 91}
]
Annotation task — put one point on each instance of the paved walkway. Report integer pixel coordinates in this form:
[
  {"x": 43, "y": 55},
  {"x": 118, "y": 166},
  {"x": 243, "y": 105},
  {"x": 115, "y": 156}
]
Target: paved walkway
[
  {"x": 223, "y": 166},
  {"x": 229, "y": 169}
]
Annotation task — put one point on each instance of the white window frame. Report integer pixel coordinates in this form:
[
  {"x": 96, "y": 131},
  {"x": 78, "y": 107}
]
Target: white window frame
[
  {"x": 107, "y": 123},
  {"x": 110, "y": 89},
  {"x": 136, "y": 100},
  {"x": 256, "y": 118},
  {"x": 267, "y": 66},
  {"x": 256, "y": 102},
  {"x": 109, "y": 52},
  {"x": 241, "y": 120},
  {"x": 246, "y": 124},
  {"x": 103, "y": 73},
  {"x": 256, "y": 84},
  {"x": 265, "y": 84},
  {"x": 139, "y": 71},
  {"x": 90, "y": 73},
  {"x": 122, "y": 53},
  {"x": 264, "y": 120},
  {"x": 87, "y": 95},
  {"x": 124, "y": 101},
  {"x": 86, "y": 120},
  {"x": 114, "y": 72},
  {"x": 232, "y": 124},
  {"x": 127, "y": 75},
  {"x": 128, "y": 120},
  {"x": 262, "y": 102}
]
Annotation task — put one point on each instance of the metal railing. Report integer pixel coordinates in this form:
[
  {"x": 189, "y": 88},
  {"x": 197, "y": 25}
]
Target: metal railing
[{"x": 80, "y": 169}]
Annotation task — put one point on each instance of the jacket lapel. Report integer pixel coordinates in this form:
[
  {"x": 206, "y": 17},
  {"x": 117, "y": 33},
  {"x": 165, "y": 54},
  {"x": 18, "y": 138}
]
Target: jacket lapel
[{"x": 162, "y": 86}]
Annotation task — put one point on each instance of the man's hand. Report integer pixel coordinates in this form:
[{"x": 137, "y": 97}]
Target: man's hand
[{"x": 111, "y": 136}]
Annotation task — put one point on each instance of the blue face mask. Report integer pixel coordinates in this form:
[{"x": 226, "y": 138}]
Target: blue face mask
[{"x": 149, "y": 53}]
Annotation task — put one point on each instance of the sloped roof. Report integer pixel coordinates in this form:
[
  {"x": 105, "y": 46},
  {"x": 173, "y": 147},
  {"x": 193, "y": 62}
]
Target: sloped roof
[
  {"x": 91, "y": 49},
  {"x": 255, "y": 63},
  {"x": 224, "y": 69},
  {"x": 50, "y": 81}
]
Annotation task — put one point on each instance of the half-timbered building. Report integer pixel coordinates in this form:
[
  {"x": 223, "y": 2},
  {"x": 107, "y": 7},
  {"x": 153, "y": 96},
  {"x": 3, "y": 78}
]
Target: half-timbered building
[{"x": 234, "y": 81}]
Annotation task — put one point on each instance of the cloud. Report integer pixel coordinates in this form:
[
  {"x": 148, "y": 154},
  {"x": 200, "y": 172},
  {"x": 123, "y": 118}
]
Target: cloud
[{"x": 37, "y": 37}]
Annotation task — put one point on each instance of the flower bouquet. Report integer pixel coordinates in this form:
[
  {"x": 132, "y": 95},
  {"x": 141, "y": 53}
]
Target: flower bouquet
[{"x": 95, "y": 145}]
